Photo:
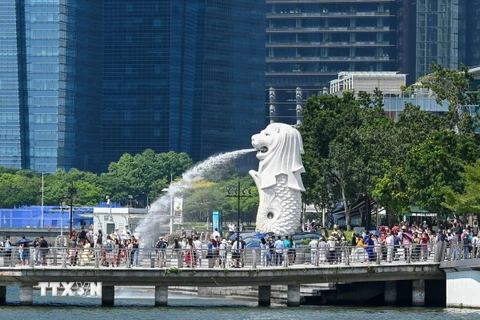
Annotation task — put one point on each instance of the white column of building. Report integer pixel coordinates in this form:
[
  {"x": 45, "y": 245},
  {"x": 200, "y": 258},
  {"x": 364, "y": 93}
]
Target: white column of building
[{"x": 272, "y": 101}]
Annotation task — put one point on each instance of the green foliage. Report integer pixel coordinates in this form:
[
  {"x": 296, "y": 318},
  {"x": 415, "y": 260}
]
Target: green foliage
[
  {"x": 351, "y": 147},
  {"x": 19, "y": 189},
  {"x": 345, "y": 141},
  {"x": 468, "y": 200},
  {"x": 206, "y": 197},
  {"x": 143, "y": 174}
]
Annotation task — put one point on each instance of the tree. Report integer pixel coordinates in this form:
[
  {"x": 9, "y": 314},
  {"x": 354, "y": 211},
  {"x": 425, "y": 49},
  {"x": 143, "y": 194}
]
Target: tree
[
  {"x": 412, "y": 128},
  {"x": 468, "y": 200},
  {"x": 455, "y": 87},
  {"x": 143, "y": 174},
  {"x": 19, "y": 189},
  {"x": 339, "y": 158},
  {"x": 89, "y": 191},
  {"x": 436, "y": 164}
]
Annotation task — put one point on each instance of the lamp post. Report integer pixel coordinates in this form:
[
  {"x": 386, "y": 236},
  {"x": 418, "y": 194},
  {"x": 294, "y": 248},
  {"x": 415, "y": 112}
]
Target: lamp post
[
  {"x": 61, "y": 218},
  {"x": 72, "y": 191},
  {"x": 109, "y": 202},
  {"x": 238, "y": 193}
]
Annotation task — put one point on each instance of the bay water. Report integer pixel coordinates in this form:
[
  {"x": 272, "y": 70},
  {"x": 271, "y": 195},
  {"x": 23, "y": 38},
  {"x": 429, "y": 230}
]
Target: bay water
[{"x": 139, "y": 305}]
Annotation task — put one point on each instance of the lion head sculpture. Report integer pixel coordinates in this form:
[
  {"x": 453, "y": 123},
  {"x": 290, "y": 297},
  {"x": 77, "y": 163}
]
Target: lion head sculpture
[{"x": 280, "y": 148}]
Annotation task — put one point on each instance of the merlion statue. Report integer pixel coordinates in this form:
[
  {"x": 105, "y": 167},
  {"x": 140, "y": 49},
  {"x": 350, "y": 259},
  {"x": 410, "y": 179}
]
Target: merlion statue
[{"x": 278, "y": 178}]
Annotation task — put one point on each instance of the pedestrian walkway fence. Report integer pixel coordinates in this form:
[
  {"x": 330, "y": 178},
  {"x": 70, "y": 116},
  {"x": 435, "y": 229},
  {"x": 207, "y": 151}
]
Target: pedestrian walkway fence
[{"x": 230, "y": 258}]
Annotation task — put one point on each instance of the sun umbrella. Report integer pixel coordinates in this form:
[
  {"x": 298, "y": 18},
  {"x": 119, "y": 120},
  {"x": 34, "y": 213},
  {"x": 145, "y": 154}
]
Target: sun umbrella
[
  {"x": 24, "y": 241},
  {"x": 233, "y": 237},
  {"x": 374, "y": 232},
  {"x": 408, "y": 235}
]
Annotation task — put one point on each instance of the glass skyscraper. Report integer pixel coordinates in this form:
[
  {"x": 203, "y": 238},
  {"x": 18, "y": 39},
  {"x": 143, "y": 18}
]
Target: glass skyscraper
[
  {"x": 50, "y": 83},
  {"x": 440, "y": 34},
  {"x": 83, "y": 82},
  {"x": 182, "y": 75},
  {"x": 309, "y": 42}
]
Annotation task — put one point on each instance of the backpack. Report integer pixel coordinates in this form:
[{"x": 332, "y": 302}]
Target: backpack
[
  {"x": 466, "y": 241},
  {"x": 108, "y": 246},
  {"x": 161, "y": 245}
]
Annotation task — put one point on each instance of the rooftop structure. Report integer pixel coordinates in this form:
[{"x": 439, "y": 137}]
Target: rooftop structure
[
  {"x": 388, "y": 82},
  {"x": 310, "y": 41}
]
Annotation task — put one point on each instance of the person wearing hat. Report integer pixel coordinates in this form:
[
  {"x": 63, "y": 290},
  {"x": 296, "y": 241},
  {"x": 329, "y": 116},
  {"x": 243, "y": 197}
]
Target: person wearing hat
[
  {"x": 331, "y": 253},
  {"x": 161, "y": 246}
]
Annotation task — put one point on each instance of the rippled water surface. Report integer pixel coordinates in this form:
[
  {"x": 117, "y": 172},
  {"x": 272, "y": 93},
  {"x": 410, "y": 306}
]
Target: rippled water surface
[{"x": 140, "y": 306}]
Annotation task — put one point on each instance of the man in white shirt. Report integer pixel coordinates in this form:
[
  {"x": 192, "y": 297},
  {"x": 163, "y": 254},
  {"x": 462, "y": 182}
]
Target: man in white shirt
[
  {"x": 475, "y": 245},
  {"x": 313, "y": 251},
  {"x": 279, "y": 246},
  {"x": 126, "y": 234},
  {"x": 216, "y": 234},
  {"x": 197, "y": 250},
  {"x": 389, "y": 242}
]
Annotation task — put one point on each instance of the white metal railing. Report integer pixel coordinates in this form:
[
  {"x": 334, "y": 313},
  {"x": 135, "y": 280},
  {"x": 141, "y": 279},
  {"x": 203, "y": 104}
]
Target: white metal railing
[{"x": 230, "y": 258}]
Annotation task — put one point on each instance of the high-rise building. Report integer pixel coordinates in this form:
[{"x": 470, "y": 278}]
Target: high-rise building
[
  {"x": 473, "y": 33},
  {"x": 50, "y": 84},
  {"x": 83, "y": 82},
  {"x": 440, "y": 34},
  {"x": 310, "y": 41},
  {"x": 182, "y": 75}
]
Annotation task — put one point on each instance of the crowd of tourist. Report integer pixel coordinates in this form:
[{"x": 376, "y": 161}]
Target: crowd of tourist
[
  {"x": 401, "y": 242},
  {"x": 406, "y": 242}
]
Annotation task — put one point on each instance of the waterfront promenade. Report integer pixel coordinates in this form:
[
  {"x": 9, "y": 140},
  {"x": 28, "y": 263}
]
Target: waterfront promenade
[{"x": 164, "y": 268}]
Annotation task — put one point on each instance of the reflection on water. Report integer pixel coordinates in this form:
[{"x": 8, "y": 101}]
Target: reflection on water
[{"x": 140, "y": 306}]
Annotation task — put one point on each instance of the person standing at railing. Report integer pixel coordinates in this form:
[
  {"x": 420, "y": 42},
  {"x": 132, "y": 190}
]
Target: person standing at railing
[
  {"x": 322, "y": 250},
  {"x": 135, "y": 250},
  {"x": 36, "y": 249},
  {"x": 332, "y": 249},
  {"x": 197, "y": 250},
  {"x": 475, "y": 245},
  {"x": 467, "y": 244},
  {"x": 161, "y": 246},
  {"x": 453, "y": 239},
  {"x": 8, "y": 250},
  {"x": 279, "y": 246},
  {"x": 99, "y": 241},
  {"x": 237, "y": 249},
  {"x": 369, "y": 245},
  {"x": 216, "y": 250},
  {"x": 293, "y": 250},
  {"x": 263, "y": 252},
  {"x": 43, "y": 247},
  {"x": 424, "y": 245},
  {"x": 189, "y": 258},
  {"x": 271, "y": 250},
  {"x": 117, "y": 245},
  {"x": 407, "y": 247},
  {"x": 359, "y": 251},
  {"x": 85, "y": 252},
  {"x": 389, "y": 242},
  {"x": 109, "y": 251},
  {"x": 223, "y": 253},
  {"x": 313, "y": 251},
  {"x": 286, "y": 253}
]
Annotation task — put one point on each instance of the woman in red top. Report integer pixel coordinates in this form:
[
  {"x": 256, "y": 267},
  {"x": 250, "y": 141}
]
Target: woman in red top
[{"x": 424, "y": 243}]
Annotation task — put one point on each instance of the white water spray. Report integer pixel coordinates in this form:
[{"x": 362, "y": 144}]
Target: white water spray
[{"x": 159, "y": 213}]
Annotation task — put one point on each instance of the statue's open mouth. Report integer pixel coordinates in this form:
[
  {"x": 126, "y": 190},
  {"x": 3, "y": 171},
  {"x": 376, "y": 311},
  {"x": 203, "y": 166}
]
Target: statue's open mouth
[{"x": 263, "y": 149}]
